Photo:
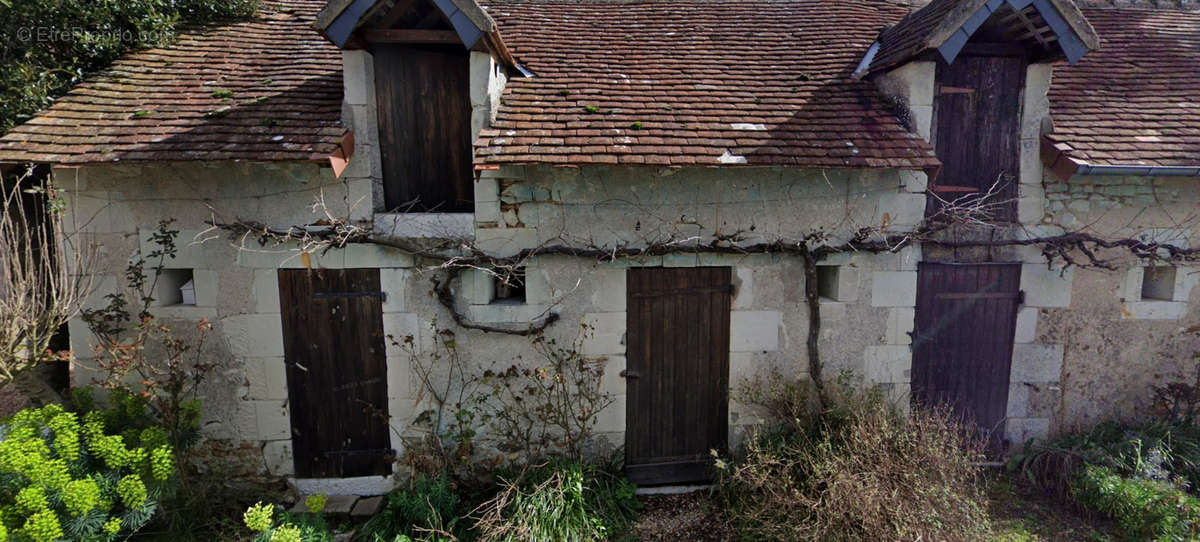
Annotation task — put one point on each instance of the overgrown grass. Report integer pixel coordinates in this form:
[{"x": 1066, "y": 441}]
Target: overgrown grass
[
  {"x": 1145, "y": 509},
  {"x": 1140, "y": 476},
  {"x": 561, "y": 500},
  {"x": 859, "y": 471}
]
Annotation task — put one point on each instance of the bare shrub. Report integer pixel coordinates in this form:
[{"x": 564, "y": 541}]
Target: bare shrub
[
  {"x": 858, "y": 471},
  {"x": 42, "y": 285}
]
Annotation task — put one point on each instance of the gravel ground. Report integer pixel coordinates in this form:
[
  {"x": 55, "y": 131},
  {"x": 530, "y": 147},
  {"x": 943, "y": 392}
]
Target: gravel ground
[{"x": 686, "y": 517}]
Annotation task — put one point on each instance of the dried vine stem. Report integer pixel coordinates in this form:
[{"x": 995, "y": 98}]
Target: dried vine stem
[{"x": 456, "y": 255}]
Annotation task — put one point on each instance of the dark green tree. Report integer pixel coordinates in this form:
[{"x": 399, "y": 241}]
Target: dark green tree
[{"x": 48, "y": 46}]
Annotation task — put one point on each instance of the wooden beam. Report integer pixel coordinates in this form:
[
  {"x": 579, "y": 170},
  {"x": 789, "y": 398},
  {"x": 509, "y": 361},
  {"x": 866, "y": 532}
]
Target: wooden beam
[{"x": 412, "y": 36}]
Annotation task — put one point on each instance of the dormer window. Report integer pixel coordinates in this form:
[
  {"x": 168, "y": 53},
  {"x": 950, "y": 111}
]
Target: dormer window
[{"x": 424, "y": 112}]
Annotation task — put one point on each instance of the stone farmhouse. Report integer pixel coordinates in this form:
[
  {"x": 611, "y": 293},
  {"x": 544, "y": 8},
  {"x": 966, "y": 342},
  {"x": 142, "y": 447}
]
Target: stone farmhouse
[{"x": 714, "y": 138}]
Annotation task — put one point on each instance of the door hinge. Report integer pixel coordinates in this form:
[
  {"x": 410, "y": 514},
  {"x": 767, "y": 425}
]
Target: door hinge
[
  {"x": 376, "y": 451},
  {"x": 630, "y": 374},
  {"x": 337, "y": 295}
]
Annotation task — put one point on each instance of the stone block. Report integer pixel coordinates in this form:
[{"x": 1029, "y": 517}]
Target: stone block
[
  {"x": 605, "y": 322},
  {"x": 742, "y": 367},
  {"x": 1028, "y": 400},
  {"x": 612, "y": 417},
  {"x": 914, "y": 181},
  {"x": 1026, "y": 331},
  {"x": 743, "y": 283},
  {"x": 894, "y": 289},
  {"x": 1153, "y": 310},
  {"x": 1031, "y": 205},
  {"x": 278, "y": 458},
  {"x": 266, "y": 291},
  {"x": 1036, "y": 363},
  {"x": 537, "y": 286},
  {"x": 367, "y": 507},
  {"x": 922, "y": 120},
  {"x": 1021, "y": 430},
  {"x": 1036, "y": 104},
  {"x": 359, "y": 486},
  {"x": 754, "y": 331},
  {"x": 487, "y": 190},
  {"x": 599, "y": 344},
  {"x": 502, "y": 242},
  {"x": 272, "y": 420},
  {"x": 1046, "y": 286},
  {"x": 608, "y": 285},
  {"x": 397, "y": 326},
  {"x": 206, "y": 285},
  {"x": 487, "y": 213},
  {"x": 399, "y": 382},
  {"x": 900, "y": 324},
  {"x": 424, "y": 226},
  {"x": 612, "y": 381},
  {"x": 358, "y": 76},
  {"x": 359, "y": 256},
  {"x": 267, "y": 378},
  {"x": 394, "y": 283},
  {"x": 253, "y": 335},
  {"x": 887, "y": 364}
]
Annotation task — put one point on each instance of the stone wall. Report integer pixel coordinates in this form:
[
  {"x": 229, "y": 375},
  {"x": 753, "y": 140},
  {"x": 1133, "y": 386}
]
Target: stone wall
[{"x": 119, "y": 206}]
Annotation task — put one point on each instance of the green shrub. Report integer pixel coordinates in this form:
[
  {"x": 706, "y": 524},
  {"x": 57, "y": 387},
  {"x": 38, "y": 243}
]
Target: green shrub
[
  {"x": 860, "y": 471},
  {"x": 278, "y": 526},
  {"x": 1145, "y": 509},
  {"x": 562, "y": 500},
  {"x": 60, "y": 478},
  {"x": 428, "y": 506}
]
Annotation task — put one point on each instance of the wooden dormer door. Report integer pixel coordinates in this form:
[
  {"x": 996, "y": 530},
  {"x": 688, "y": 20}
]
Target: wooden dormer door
[{"x": 977, "y": 127}]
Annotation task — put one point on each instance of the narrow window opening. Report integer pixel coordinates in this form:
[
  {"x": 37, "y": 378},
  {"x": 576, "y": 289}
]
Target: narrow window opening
[
  {"x": 175, "y": 287},
  {"x": 827, "y": 282},
  {"x": 1158, "y": 283},
  {"x": 510, "y": 287}
]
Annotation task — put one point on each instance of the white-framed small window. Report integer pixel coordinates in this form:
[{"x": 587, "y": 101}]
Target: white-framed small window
[
  {"x": 175, "y": 287},
  {"x": 509, "y": 287},
  {"x": 1158, "y": 283}
]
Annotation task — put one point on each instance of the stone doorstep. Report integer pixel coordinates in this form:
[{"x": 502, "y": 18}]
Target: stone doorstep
[
  {"x": 334, "y": 504},
  {"x": 367, "y": 507}
]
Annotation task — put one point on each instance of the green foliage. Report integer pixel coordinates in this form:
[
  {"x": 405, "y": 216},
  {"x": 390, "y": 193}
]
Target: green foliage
[
  {"x": 1163, "y": 450},
  {"x": 273, "y": 526},
  {"x": 63, "y": 477},
  {"x": 564, "y": 500},
  {"x": 858, "y": 471},
  {"x": 1145, "y": 509},
  {"x": 51, "y": 45},
  {"x": 429, "y": 504}
]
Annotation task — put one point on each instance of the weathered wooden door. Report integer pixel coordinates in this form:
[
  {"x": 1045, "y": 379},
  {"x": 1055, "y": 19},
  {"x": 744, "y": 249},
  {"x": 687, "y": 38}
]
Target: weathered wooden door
[
  {"x": 423, "y": 94},
  {"x": 963, "y": 341},
  {"x": 977, "y": 137},
  {"x": 677, "y": 375},
  {"x": 336, "y": 371}
]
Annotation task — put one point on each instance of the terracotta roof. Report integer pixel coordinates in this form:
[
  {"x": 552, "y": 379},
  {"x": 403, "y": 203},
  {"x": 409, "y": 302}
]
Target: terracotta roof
[
  {"x": 909, "y": 37},
  {"x": 265, "y": 89},
  {"x": 947, "y": 25},
  {"x": 760, "y": 82},
  {"x": 1136, "y": 101}
]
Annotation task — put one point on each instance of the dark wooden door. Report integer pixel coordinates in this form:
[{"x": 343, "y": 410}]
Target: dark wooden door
[
  {"x": 963, "y": 341},
  {"x": 677, "y": 375},
  {"x": 336, "y": 371},
  {"x": 423, "y": 94},
  {"x": 977, "y": 136}
]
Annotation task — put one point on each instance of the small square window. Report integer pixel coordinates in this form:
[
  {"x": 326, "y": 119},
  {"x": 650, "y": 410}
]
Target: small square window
[
  {"x": 1158, "y": 283},
  {"x": 509, "y": 286},
  {"x": 827, "y": 282},
  {"x": 174, "y": 287}
]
